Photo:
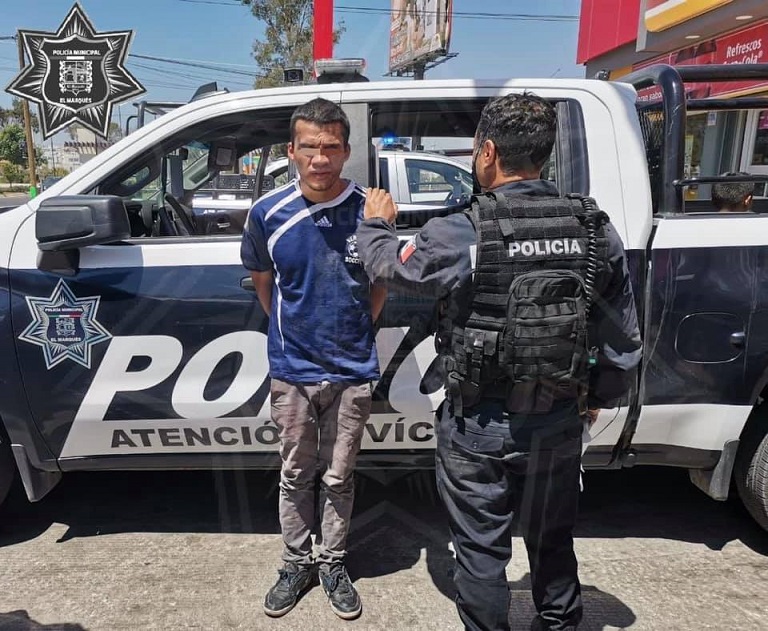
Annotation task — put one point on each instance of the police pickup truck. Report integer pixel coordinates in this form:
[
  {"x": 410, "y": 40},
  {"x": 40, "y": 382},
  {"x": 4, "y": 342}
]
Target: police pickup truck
[{"x": 131, "y": 339}]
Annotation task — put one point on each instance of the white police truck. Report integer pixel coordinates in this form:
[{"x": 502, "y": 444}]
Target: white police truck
[{"x": 132, "y": 339}]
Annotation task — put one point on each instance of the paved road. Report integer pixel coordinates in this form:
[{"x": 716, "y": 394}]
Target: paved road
[
  {"x": 198, "y": 550},
  {"x": 11, "y": 201}
]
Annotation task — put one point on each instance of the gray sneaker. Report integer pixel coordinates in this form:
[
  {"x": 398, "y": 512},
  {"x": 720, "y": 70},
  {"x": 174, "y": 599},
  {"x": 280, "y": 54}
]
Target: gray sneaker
[
  {"x": 284, "y": 595},
  {"x": 342, "y": 595}
]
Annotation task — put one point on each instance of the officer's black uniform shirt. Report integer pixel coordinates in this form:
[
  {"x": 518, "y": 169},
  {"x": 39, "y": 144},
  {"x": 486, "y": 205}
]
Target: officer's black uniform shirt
[{"x": 439, "y": 261}]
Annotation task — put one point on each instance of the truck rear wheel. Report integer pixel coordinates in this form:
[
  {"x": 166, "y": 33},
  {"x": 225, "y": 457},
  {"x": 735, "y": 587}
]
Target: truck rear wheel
[
  {"x": 7, "y": 466},
  {"x": 751, "y": 469}
]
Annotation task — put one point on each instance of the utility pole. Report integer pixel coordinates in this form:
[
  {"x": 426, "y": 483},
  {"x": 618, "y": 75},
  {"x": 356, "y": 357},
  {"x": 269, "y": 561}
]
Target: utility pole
[
  {"x": 418, "y": 75},
  {"x": 53, "y": 158},
  {"x": 28, "y": 129},
  {"x": 322, "y": 27}
]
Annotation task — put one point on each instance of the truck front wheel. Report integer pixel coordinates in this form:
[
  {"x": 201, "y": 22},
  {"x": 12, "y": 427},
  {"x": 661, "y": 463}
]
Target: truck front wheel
[{"x": 751, "y": 468}]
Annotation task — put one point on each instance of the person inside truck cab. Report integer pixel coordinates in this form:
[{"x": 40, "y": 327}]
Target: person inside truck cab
[
  {"x": 733, "y": 197},
  {"x": 515, "y": 304}
]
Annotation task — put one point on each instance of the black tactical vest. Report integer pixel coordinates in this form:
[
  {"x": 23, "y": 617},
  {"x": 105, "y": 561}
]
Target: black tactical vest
[{"x": 537, "y": 262}]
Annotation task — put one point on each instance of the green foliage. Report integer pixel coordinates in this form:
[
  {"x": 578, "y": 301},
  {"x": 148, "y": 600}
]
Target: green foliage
[
  {"x": 288, "y": 38},
  {"x": 12, "y": 173},
  {"x": 15, "y": 115},
  {"x": 12, "y": 144}
]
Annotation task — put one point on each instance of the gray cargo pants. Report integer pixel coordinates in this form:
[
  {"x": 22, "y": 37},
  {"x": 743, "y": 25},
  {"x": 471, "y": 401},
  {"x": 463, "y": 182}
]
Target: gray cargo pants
[{"x": 321, "y": 426}]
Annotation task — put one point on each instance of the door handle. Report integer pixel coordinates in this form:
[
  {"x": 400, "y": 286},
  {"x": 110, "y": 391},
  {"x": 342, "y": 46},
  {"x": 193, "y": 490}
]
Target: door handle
[
  {"x": 738, "y": 339},
  {"x": 247, "y": 284}
]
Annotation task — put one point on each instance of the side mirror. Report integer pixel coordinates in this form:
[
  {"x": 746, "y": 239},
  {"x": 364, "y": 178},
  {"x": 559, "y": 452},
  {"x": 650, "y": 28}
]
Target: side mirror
[{"x": 75, "y": 221}]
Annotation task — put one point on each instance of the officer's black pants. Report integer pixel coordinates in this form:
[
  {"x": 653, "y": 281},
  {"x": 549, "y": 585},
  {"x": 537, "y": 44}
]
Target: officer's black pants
[{"x": 491, "y": 467}]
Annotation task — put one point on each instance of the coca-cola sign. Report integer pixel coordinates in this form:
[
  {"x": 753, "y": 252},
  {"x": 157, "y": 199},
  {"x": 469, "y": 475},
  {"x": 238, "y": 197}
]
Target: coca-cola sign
[{"x": 748, "y": 46}]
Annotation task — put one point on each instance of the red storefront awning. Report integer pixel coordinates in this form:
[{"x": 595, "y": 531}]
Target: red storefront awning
[{"x": 748, "y": 46}]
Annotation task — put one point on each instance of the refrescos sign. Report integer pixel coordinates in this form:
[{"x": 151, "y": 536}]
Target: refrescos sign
[
  {"x": 748, "y": 46},
  {"x": 75, "y": 74}
]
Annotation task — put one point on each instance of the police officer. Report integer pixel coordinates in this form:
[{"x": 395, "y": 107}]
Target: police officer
[{"x": 537, "y": 331}]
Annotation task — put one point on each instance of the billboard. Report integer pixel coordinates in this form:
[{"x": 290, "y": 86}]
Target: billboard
[{"x": 420, "y": 30}]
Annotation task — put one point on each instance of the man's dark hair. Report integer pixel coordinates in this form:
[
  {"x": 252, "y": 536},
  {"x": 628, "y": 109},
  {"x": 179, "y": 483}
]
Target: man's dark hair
[
  {"x": 320, "y": 112},
  {"x": 731, "y": 194},
  {"x": 523, "y": 127}
]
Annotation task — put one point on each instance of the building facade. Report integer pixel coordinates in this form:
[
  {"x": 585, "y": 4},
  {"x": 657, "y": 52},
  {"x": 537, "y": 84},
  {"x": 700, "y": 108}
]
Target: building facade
[{"x": 619, "y": 36}]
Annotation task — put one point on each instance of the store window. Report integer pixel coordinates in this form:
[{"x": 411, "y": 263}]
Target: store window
[{"x": 712, "y": 146}]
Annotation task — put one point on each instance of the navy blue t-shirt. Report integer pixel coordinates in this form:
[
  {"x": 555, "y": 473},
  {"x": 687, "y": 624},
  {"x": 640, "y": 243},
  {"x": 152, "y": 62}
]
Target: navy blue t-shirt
[{"x": 321, "y": 327}]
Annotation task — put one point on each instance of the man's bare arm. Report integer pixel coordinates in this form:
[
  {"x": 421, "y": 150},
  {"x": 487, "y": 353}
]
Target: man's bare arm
[
  {"x": 378, "y": 300},
  {"x": 262, "y": 282}
]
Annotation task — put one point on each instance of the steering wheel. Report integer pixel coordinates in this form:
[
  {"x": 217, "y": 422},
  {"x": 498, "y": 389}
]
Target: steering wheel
[{"x": 185, "y": 219}]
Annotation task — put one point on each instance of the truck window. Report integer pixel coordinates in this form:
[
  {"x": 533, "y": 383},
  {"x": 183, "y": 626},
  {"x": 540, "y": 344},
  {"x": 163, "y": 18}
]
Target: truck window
[
  {"x": 436, "y": 182},
  {"x": 384, "y": 174},
  {"x": 447, "y": 126},
  {"x": 202, "y": 181}
]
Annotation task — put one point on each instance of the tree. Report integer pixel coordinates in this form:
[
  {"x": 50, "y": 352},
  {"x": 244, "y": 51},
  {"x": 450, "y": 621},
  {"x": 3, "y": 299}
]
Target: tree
[
  {"x": 47, "y": 171},
  {"x": 40, "y": 159},
  {"x": 288, "y": 38},
  {"x": 114, "y": 133},
  {"x": 72, "y": 130},
  {"x": 15, "y": 115},
  {"x": 11, "y": 172},
  {"x": 13, "y": 144}
]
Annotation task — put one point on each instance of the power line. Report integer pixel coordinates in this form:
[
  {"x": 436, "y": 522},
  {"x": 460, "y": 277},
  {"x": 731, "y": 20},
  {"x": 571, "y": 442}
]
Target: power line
[
  {"x": 525, "y": 17},
  {"x": 196, "y": 64},
  {"x": 205, "y": 61},
  {"x": 465, "y": 14},
  {"x": 195, "y": 77}
]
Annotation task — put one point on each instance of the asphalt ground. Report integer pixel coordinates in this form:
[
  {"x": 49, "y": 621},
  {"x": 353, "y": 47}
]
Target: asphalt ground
[
  {"x": 198, "y": 550},
  {"x": 12, "y": 200}
]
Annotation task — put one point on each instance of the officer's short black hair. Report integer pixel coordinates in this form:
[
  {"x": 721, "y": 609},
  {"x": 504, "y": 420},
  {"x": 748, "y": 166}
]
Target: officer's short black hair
[
  {"x": 523, "y": 127},
  {"x": 731, "y": 194},
  {"x": 320, "y": 112}
]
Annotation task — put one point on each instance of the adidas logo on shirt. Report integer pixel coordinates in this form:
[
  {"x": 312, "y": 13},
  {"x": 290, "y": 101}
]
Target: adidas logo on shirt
[{"x": 324, "y": 222}]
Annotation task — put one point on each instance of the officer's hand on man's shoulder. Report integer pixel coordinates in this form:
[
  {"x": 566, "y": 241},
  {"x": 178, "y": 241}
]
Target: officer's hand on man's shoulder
[{"x": 380, "y": 205}]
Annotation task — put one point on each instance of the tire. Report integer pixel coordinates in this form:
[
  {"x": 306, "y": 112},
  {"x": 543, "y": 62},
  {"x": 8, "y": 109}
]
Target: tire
[
  {"x": 7, "y": 466},
  {"x": 751, "y": 470}
]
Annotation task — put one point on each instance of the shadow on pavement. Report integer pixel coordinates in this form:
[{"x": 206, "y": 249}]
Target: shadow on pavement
[
  {"x": 397, "y": 519},
  {"x": 601, "y": 609},
  {"x": 98, "y": 503},
  {"x": 661, "y": 502},
  {"x": 20, "y": 621}
]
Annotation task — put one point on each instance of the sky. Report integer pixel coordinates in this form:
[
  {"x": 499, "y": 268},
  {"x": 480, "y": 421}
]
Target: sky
[{"x": 179, "y": 29}]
